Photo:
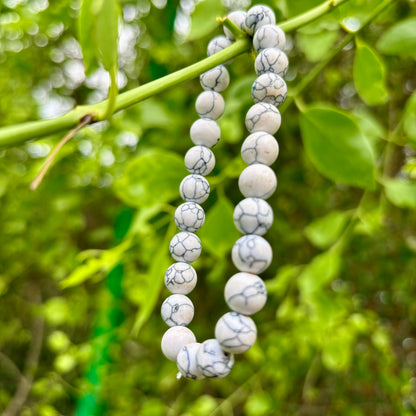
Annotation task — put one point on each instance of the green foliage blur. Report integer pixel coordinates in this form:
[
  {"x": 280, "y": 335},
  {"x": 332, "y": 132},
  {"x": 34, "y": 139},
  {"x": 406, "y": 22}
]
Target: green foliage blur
[{"x": 82, "y": 258}]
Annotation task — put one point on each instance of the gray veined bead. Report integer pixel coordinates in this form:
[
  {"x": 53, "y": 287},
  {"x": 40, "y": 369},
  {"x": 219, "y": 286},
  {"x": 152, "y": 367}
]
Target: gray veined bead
[
  {"x": 253, "y": 216},
  {"x": 212, "y": 361},
  {"x": 180, "y": 278},
  {"x": 271, "y": 60},
  {"x": 257, "y": 17},
  {"x": 189, "y": 216},
  {"x": 217, "y": 44},
  {"x": 177, "y": 310},
  {"x": 269, "y": 88},
  {"x": 260, "y": 147},
  {"x": 186, "y": 361},
  {"x": 210, "y": 104},
  {"x": 194, "y": 188},
  {"x": 174, "y": 339},
  {"x": 216, "y": 79},
  {"x": 252, "y": 254},
  {"x": 199, "y": 160},
  {"x": 236, "y": 333},
  {"x": 263, "y": 117},
  {"x": 185, "y": 247},
  {"x": 258, "y": 181},
  {"x": 205, "y": 132},
  {"x": 245, "y": 293},
  {"x": 269, "y": 36},
  {"x": 238, "y": 17}
]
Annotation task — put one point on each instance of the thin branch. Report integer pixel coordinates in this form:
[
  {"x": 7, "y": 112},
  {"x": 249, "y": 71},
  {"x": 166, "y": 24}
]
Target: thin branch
[
  {"x": 10, "y": 366},
  {"x": 39, "y": 177}
]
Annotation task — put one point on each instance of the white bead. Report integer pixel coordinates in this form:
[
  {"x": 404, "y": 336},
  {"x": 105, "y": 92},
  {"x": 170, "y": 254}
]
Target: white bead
[
  {"x": 252, "y": 254},
  {"x": 185, "y": 247},
  {"x": 189, "y": 216},
  {"x": 269, "y": 88},
  {"x": 199, "y": 160},
  {"x": 212, "y": 361},
  {"x": 245, "y": 293},
  {"x": 186, "y": 361},
  {"x": 216, "y": 79},
  {"x": 271, "y": 60},
  {"x": 205, "y": 132},
  {"x": 174, "y": 339},
  {"x": 258, "y": 181},
  {"x": 238, "y": 17},
  {"x": 269, "y": 36},
  {"x": 260, "y": 147},
  {"x": 194, "y": 188},
  {"x": 180, "y": 278},
  {"x": 253, "y": 216},
  {"x": 257, "y": 17},
  {"x": 218, "y": 44},
  {"x": 263, "y": 117},
  {"x": 210, "y": 104},
  {"x": 177, "y": 310},
  {"x": 236, "y": 333}
]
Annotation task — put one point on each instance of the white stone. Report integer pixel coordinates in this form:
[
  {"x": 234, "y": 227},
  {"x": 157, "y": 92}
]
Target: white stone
[
  {"x": 194, "y": 188},
  {"x": 269, "y": 36},
  {"x": 252, "y": 254},
  {"x": 238, "y": 17},
  {"x": 180, "y": 278},
  {"x": 218, "y": 44},
  {"x": 199, "y": 160},
  {"x": 269, "y": 88},
  {"x": 174, "y": 339},
  {"x": 271, "y": 60},
  {"x": 216, "y": 79},
  {"x": 177, "y": 310},
  {"x": 263, "y": 117},
  {"x": 260, "y": 147},
  {"x": 189, "y": 216},
  {"x": 253, "y": 216},
  {"x": 212, "y": 361},
  {"x": 210, "y": 104},
  {"x": 257, "y": 17},
  {"x": 185, "y": 247},
  {"x": 245, "y": 293},
  {"x": 205, "y": 132},
  {"x": 186, "y": 361},
  {"x": 258, "y": 181},
  {"x": 236, "y": 333}
]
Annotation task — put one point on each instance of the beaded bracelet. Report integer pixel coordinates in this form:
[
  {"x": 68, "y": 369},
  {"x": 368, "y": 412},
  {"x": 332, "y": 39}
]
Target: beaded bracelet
[{"x": 245, "y": 292}]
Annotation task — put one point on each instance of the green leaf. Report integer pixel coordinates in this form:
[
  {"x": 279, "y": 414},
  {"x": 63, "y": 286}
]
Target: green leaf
[
  {"x": 316, "y": 45},
  {"x": 86, "y": 35},
  {"x": 369, "y": 75},
  {"x": 400, "y": 192},
  {"x": 409, "y": 117},
  {"x": 204, "y": 18},
  {"x": 325, "y": 231},
  {"x": 153, "y": 177},
  {"x": 400, "y": 39},
  {"x": 337, "y": 147}
]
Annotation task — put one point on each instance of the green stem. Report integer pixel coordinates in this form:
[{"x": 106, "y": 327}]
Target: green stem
[{"x": 112, "y": 93}]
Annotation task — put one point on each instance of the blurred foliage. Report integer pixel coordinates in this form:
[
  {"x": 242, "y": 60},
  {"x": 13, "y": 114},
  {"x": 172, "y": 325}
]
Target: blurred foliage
[{"x": 337, "y": 336}]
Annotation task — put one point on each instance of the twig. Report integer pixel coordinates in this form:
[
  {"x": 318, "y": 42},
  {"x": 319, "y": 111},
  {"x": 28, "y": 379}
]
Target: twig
[{"x": 39, "y": 177}]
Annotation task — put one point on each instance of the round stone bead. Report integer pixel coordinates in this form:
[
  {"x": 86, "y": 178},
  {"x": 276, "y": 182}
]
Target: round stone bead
[
  {"x": 212, "y": 361},
  {"x": 258, "y": 181},
  {"x": 269, "y": 88},
  {"x": 199, "y": 160},
  {"x": 177, "y": 310},
  {"x": 257, "y": 17},
  {"x": 238, "y": 17},
  {"x": 194, "y": 188},
  {"x": 189, "y": 216},
  {"x": 216, "y": 79},
  {"x": 253, "y": 216},
  {"x": 210, "y": 104},
  {"x": 180, "y": 278},
  {"x": 260, "y": 147},
  {"x": 218, "y": 44},
  {"x": 186, "y": 361},
  {"x": 236, "y": 333},
  {"x": 271, "y": 60},
  {"x": 174, "y": 339},
  {"x": 185, "y": 247},
  {"x": 205, "y": 132},
  {"x": 269, "y": 36},
  {"x": 252, "y": 254},
  {"x": 245, "y": 293},
  {"x": 263, "y": 117}
]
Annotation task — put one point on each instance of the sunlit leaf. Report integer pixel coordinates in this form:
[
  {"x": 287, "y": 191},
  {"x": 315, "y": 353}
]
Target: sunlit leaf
[
  {"x": 409, "y": 117},
  {"x": 400, "y": 192},
  {"x": 204, "y": 18}
]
